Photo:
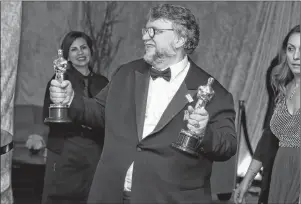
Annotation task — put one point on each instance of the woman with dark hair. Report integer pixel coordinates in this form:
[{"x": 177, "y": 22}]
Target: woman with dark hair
[
  {"x": 284, "y": 125},
  {"x": 73, "y": 149}
]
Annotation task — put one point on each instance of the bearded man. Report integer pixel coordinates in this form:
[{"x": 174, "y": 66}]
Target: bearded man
[{"x": 142, "y": 110}]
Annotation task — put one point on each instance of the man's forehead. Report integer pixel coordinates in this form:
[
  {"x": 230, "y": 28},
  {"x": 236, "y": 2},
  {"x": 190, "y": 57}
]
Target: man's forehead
[{"x": 159, "y": 23}]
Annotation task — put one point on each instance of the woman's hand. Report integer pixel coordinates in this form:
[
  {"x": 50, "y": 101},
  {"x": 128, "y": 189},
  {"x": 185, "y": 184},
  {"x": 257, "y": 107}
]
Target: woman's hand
[
  {"x": 240, "y": 191},
  {"x": 35, "y": 143}
]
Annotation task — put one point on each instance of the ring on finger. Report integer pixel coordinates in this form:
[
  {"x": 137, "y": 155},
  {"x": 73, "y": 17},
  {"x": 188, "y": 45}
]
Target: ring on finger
[{"x": 196, "y": 125}]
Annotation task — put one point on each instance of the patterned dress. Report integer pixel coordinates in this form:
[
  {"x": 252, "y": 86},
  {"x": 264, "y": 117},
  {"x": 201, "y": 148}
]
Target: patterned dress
[{"x": 285, "y": 181}]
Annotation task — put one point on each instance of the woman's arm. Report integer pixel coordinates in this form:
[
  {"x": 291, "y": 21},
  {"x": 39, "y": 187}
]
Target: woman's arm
[{"x": 244, "y": 186}]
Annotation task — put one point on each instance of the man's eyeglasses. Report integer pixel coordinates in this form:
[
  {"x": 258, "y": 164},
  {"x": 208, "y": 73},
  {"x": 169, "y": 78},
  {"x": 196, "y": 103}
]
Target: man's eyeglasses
[{"x": 153, "y": 31}]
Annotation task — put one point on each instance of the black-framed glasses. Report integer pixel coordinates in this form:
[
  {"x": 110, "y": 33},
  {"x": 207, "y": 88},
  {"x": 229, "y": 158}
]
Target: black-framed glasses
[{"x": 153, "y": 31}]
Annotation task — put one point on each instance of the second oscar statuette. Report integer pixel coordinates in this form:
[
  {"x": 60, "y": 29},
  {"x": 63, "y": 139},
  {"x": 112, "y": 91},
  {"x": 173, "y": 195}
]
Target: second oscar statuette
[{"x": 58, "y": 113}]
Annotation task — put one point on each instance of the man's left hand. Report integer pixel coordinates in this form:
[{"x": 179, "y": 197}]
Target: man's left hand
[{"x": 197, "y": 121}]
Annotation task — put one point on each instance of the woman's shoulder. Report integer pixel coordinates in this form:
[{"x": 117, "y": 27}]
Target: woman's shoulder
[
  {"x": 99, "y": 77},
  {"x": 98, "y": 82}
]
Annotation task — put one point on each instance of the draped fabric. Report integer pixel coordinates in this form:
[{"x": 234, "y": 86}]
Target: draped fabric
[
  {"x": 10, "y": 40},
  {"x": 273, "y": 21},
  {"x": 238, "y": 41}
]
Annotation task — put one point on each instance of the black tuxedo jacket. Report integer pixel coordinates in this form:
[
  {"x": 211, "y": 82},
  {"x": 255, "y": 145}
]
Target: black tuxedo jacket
[{"x": 161, "y": 174}]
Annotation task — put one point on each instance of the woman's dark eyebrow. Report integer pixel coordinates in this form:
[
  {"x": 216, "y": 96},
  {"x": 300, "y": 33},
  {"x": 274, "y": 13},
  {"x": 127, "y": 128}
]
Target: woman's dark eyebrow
[
  {"x": 80, "y": 46},
  {"x": 291, "y": 45}
]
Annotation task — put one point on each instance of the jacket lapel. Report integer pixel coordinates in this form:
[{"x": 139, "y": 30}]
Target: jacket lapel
[
  {"x": 178, "y": 102},
  {"x": 141, "y": 90},
  {"x": 195, "y": 77}
]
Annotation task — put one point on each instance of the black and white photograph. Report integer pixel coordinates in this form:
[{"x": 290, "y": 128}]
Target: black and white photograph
[{"x": 150, "y": 102}]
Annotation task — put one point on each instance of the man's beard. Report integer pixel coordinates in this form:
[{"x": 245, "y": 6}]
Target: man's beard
[{"x": 159, "y": 56}]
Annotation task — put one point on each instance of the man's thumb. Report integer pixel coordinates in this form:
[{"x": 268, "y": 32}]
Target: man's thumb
[
  {"x": 190, "y": 109},
  {"x": 65, "y": 83}
]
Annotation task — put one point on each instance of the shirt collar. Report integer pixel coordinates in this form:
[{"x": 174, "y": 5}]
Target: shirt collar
[{"x": 178, "y": 68}]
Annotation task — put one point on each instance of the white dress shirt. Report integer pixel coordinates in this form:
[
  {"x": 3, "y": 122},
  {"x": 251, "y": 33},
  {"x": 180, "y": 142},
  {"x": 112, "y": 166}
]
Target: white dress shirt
[{"x": 160, "y": 93}]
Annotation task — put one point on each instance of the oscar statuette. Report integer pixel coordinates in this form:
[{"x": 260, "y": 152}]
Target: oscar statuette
[
  {"x": 58, "y": 113},
  {"x": 188, "y": 141}
]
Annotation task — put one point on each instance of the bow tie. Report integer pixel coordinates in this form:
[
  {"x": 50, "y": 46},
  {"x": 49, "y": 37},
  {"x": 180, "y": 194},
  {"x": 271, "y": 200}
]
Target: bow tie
[{"x": 165, "y": 74}]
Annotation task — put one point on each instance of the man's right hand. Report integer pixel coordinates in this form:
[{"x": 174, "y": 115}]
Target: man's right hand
[{"x": 61, "y": 93}]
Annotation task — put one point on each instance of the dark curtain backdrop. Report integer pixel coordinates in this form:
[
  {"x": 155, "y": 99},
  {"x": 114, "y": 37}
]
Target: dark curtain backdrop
[{"x": 238, "y": 40}]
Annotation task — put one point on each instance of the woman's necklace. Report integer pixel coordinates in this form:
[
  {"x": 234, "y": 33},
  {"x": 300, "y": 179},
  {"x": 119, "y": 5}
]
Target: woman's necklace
[{"x": 293, "y": 91}]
